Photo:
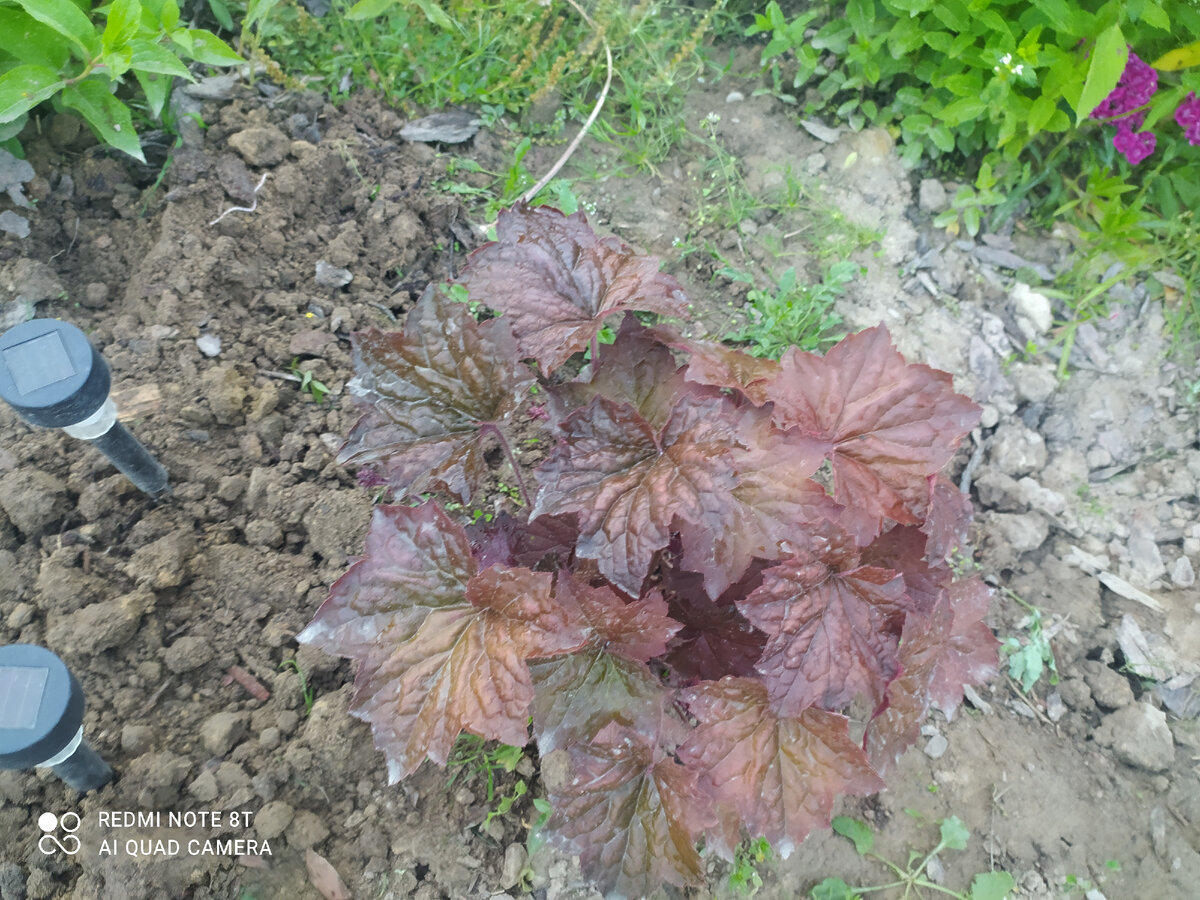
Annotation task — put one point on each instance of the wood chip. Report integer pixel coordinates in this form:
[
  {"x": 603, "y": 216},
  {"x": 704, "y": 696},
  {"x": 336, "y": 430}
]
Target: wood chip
[{"x": 136, "y": 401}]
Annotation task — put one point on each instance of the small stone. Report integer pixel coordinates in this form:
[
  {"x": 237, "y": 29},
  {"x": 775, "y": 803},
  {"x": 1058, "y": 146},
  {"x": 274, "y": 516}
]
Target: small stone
[
  {"x": 1055, "y": 708},
  {"x": 1033, "y": 306},
  {"x": 936, "y": 747},
  {"x": 731, "y": 97},
  {"x": 305, "y": 830},
  {"x": 931, "y": 196},
  {"x": 204, "y": 788},
  {"x": 33, "y": 500},
  {"x": 137, "y": 739},
  {"x": 188, "y": 653},
  {"x": 1034, "y": 384},
  {"x": 1034, "y": 496},
  {"x": 164, "y": 563},
  {"x": 1139, "y": 736},
  {"x": 100, "y": 626},
  {"x": 12, "y": 882},
  {"x": 273, "y": 819},
  {"x": 263, "y": 533},
  {"x": 95, "y": 295},
  {"x": 220, "y": 732},
  {"x": 515, "y": 859},
  {"x": 331, "y": 276},
  {"x": 263, "y": 145},
  {"x": 209, "y": 344},
  {"x": 1182, "y": 573},
  {"x": 1017, "y": 450},
  {"x": 269, "y": 738},
  {"x": 1109, "y": 689},
  {"x": 1019, "y": 532}
]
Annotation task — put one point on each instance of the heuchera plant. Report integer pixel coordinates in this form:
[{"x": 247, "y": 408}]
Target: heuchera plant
[{"x": 718, "y": 559}]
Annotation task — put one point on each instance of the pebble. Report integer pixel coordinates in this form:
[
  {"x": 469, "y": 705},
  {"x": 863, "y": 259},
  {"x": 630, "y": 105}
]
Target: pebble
[
  {"x": 331, "y": 276},
  {"x": 931, "y": 196},
  {"x": 1109, "y": 689},
  {"x": 273, "y": 819},
  {"x": 1017, "y": 450},
  {"x": 306, "y": 829},
  {"x": 209, "y": 345},
  {"x": 188, "y": 653},
  {"x": 735, "y": 97},
  {"x": 936, "y": 746},
  {"x": 515, "y": 858},
  {"x": 1055, "y": 708},
  {"x": 33, "y": 500},
  {"x": 1182, "y": 573},
  {"x": 1034, "y": 307},
  {"x": 263, "y": 145},
  {"x": 220, "y": 732},
  {"x": 204, "y": 788},
  {"x": 1139, "y": 736}
]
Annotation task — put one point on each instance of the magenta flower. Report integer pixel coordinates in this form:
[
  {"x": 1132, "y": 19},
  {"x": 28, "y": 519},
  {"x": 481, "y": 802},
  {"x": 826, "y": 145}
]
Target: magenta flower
[
  {"x": 1188, "y": 117},
  {"x": 1136, "y": 86},
  {"x": 1134, "y": 145}
]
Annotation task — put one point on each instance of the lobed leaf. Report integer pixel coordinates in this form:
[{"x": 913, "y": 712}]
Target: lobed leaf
[
  {"x": 631, "y": 813},
  {"x": 629, "y": 481},
  {"x": 716, "y": 639},
  {"x": 557, "y": 281},
  {"x": 780, "y": 773},
  {"x": 579, "y": 695},
  {"x": 441, "y": 648},
  {"x": 970, "y": 654},
  {"x": 946, "y": 523},
  {"x": 833, "y": 626},
  {"x": 886, "y": 425},
  {"x": 638, "y": 630},
  {"x": 429, "y": 394}
]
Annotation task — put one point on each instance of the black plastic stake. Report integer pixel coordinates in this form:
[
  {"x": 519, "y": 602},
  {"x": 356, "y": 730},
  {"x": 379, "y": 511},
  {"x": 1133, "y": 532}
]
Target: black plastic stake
[
  {"x": 52, "y": 376},
  {"x": 41, "y": 718}
]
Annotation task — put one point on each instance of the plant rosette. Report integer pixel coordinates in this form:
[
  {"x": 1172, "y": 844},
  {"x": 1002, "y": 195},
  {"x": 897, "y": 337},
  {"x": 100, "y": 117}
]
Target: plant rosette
[{"x": 719, "y": 556}]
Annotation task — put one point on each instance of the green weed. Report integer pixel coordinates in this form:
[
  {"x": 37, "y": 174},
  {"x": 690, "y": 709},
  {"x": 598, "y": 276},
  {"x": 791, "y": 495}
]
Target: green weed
[
  {"x": 747, "y": 857},
  {"x": 306, "y": 689},
  {"x": 794, "y": 314},
  {"x": 308, "y": 384},
  {"x": 912, "y": 877},
  {"x": 472, "y": 755},
  {"x": 1031, "y": 655}
]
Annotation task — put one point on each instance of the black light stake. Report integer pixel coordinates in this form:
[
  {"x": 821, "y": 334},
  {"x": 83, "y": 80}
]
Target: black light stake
[
  {"x": 53, "y": 377},
  {"x": 41, "y": 718}
]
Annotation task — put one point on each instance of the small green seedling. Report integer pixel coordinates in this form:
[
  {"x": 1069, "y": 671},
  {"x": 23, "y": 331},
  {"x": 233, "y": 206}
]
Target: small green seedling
[
  {"x": 308, "y": 384},
  {"x": 912, "y": 876},
  {"x": 743, "y": 877},
  {"x": 306, "y": 689},
  {"x": 1028, "y": 658},
  {"x": 474, "y": 756}
]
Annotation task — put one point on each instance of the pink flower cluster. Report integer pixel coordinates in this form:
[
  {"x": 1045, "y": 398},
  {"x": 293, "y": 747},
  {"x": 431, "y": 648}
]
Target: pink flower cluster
[
  {"x": 1137, "y": 85},
  {"x": 1124, "y": 105},
  {"x": 1188, "y": 117}
]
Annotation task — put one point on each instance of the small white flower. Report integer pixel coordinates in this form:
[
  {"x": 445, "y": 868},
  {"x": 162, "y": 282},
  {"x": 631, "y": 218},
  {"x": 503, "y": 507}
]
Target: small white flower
[
  {"x": 1006, "y": 58},
  {"x": 1018, "y": 69}
]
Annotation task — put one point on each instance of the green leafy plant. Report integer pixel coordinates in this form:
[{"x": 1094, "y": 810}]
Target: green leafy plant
[
  {"x": 743, "y": 874},
  {"x": 969, "y": 204},
  {"x": 794, "y": 315},
  {"x": 61, "y": 51},
  {"x": 679, "y": 608},
  {"x": 475, "y": 756},
  {"x": 1030, "y": 656},
  {"x": 308, "y": 384},
  {"x": 911, "y": 877}
]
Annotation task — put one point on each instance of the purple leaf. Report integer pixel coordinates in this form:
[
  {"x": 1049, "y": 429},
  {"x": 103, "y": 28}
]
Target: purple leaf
[
  {"x": 557, "y": 281},
  {"x": 430, "y": 394}
]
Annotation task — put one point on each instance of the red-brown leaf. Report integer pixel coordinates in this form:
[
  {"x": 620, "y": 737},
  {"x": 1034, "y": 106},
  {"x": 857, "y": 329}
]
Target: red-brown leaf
[
  {"x": 638, "y": 629},
  {"x": 441, "y": 648},
  {"x": 886, "y": 425},
  {"x": 629, "y": 482},
  {"x": 780, "y": 774},
  {"x": 428, "y": 395},
  {"x": 557, "y": 281},
  {"x": 631, "y": 813},
  {"x": 833, "y": 627}
]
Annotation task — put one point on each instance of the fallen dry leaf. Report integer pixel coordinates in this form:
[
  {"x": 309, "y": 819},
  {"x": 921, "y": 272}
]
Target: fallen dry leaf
[{"x": 324, "y": 877}]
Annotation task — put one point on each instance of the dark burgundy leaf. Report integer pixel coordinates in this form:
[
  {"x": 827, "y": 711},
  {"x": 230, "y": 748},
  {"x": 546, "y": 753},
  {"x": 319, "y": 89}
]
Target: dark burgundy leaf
[
  {"x": 428, "y": 395},
  {"x": 629, "y": 482},
  {"x": 947, "y": 521},
  {"x": 638, "y": 630},
  {"x": 902, "y": 548},
  {"x": 636, "y": 369},
  {"x": 578, "y": 695},
  {"x": 773, "y": 497},
  {"x": 970, "y": 656},
  {"x": 631, "y": 813},
  {"x": 441, "y": 648},
  {"x": 716, "y": 639},
  {"x": 833, "y": 626},
  {"x": 720, "y": 365},
  {"x": 546, "y": 543},
  {"x": 895, "y": 728},
  {"x": 780, "y": 774},
  {"x": 557, "y": 281},
  {"x": 886, "y": 425}
]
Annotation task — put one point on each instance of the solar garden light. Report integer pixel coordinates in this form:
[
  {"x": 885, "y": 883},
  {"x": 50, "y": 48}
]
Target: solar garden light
[
  {"x": 53, "y": 377},
  {"x": 41, "y": 718}
]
